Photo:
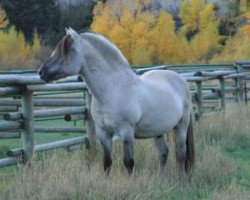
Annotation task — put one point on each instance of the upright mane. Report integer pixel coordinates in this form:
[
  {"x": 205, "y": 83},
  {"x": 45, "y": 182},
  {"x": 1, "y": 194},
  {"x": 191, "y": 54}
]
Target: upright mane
[{"x": 108, "y": 49}]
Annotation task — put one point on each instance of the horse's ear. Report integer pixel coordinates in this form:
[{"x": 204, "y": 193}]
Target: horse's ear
[
  {"x": 72, "y": 33},
  {"x": 67, "y": 44}
]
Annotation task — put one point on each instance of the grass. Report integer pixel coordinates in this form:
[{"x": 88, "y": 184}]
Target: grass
[{"x": 222, "y": 169}]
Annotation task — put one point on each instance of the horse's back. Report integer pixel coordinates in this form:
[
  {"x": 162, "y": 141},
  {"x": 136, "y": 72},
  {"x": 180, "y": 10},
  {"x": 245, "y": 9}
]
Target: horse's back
[
  {"x": 168, "y": 79},
  {"x": 164, "y": 98}
]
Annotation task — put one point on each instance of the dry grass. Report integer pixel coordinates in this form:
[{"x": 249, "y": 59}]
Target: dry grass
[{"x": 79, "y": 175}]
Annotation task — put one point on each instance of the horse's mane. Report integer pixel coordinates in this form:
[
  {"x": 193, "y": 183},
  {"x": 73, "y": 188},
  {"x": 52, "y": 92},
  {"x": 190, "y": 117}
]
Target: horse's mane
[{"x": 107, "y": 48}]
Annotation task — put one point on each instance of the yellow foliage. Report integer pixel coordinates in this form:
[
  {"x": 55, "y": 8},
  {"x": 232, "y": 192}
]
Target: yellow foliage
[
  {"x": 3, "y": 21},
  {"x": 140, "y": 39},
  {"x": 246, "y": 30},
  {"x": 237, "y": 48},
  {"x": 14, "y": 52},
  {"x": 105, "y": 19},
  {"x": 189, "y": 13},
  {"x": 207, "y": 17},
  {"x": 164, "y": 39},
  {"x": 200, "y": 22},
  {"x": 147, "y": 38}
]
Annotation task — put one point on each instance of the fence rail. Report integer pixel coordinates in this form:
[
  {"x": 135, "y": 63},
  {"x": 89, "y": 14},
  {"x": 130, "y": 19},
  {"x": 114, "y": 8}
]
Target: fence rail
[{"x": 25, "y": 99}]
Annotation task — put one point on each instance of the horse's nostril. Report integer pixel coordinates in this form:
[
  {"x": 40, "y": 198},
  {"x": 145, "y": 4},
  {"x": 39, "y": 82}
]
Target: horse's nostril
[{"x": 41, "y": 72}]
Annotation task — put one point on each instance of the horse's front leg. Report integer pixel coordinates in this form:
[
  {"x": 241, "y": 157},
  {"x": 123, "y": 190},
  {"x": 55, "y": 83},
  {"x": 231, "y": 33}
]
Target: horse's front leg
[
  {"x": 106, "y": 142},
  {"x": 127, "y": 135}
]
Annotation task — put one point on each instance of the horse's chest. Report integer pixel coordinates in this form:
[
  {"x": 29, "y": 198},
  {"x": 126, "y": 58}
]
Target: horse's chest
[{"x": 104, "y": 120}]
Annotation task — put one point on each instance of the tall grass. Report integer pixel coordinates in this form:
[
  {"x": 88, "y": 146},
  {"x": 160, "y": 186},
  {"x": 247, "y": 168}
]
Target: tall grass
[{"x": 79, "y": 175}]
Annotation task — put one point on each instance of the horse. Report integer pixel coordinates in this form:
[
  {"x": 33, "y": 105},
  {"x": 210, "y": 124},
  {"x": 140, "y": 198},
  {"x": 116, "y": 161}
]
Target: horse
[{"x": 123, "y": 103}]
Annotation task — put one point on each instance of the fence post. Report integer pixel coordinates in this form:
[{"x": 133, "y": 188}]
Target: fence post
[
  {"x": 240, "y": 84},
  {"x": 199, "y": 98},
  {"x": 90, "y": 125},
  {"x": 222, "y": 93},
  {"x": 28, "y": 126},
  {"x": 245, "y": 88}
]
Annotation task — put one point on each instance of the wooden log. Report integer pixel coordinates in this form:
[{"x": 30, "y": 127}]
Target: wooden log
[
  {"x": 215, "y": 73},
  {"x": 242, "y": 62},
  {"x": 4, "y": 162},
  {"x": 9, "y": 126},
  {"x": 19, "y": 72},
  {"x": 185, "y": 74},
  {"x": 59, "y": 97},
  {"x": 198, "y": 78},
  {"x": 210, "y": 101},
  {"x": 75, "y": 78},
  {"x": 59, "y": 111},
  {"x": 60, "y": 144},
  {"x": 247, "y": 78},
  {"x": 10, "y": 102},
  {"x": 22, "y": 79},
  {"x": 9, "y": 135},
  {"x": 59, "y": 102},
  {"x": 8, "y": 108},
  {"x": 41, "y": 102},
  {"x": 209, "y": 96},
  {"x": 4, "y": 91},
  {"x": 51, "y": 145},
  {"x": 13, "y": 116},
  {"x": 57, "y": 87},
  {"x": 58, "y": 93},
  {"x": 227, "y": 90},
  {"x": 28, "y": 122},
  {"x": 74, "y": 117},
  {"x": 237, "y": 75},
  {"x": 60, "y": 129}
]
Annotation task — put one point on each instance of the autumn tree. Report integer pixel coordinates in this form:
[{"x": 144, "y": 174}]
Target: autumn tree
[
  {"x": 141, "y": 39},
  {"x": 143, "y": 36},
  {"x": 164, "y": 39},
  {"x": 3, "y": 18},
  {"x": 15, "y": 53},
  {"x": 200, "y": 26}
]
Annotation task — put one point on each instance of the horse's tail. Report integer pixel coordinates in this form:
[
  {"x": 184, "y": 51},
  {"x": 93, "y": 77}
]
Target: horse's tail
[{"x": 190, "y": 148}]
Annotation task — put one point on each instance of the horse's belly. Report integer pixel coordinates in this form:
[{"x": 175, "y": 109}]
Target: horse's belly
[
  {"x": 149, "y": 128},
  {"x": 141, "y": 133}
]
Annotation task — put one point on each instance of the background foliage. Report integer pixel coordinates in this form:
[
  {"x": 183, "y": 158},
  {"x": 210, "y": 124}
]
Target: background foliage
[{"x": 147, "y": 31}]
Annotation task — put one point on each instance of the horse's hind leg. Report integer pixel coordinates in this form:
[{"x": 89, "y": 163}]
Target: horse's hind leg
[
  {"x": 180, "y": 139},
  {"x": 162, "y": 150}
]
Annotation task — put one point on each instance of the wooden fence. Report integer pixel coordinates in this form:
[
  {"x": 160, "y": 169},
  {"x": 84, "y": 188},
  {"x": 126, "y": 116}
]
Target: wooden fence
[{"x": 25, "y": 100}]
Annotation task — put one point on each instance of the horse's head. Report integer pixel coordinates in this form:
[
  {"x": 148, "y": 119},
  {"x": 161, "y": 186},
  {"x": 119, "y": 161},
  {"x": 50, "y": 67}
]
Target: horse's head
[{"x": 65, "y": 59}]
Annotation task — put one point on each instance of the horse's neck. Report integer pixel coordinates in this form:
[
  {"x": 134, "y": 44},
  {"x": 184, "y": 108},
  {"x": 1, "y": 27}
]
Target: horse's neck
[{"x": 103, "y": 79}]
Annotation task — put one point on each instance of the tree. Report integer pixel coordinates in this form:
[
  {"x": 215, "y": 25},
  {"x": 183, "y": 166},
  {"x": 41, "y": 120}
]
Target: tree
[
  {"x": 48, "y": 17},
  {"x": 141, "y": 48},
  {"x": 125, "y": 25},
  {"x": 189, "y": 14},
  {"x": 164, "y": 39},
  {"x": 3, "y": 19},
  {"x": 200, "y": 26},
  {"x": 14, "y": 53}
]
